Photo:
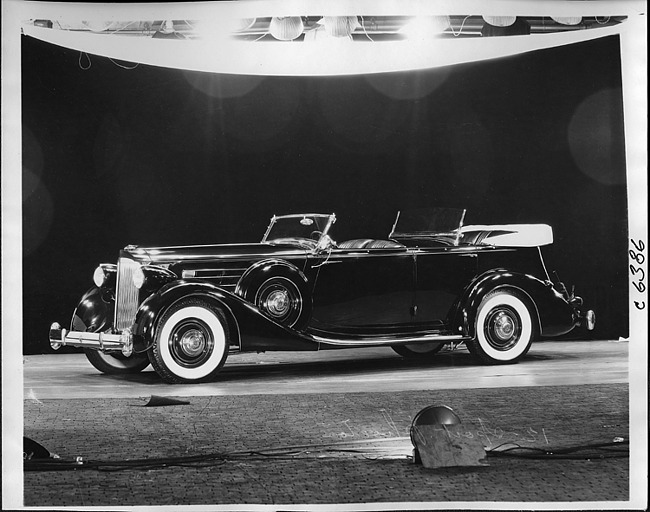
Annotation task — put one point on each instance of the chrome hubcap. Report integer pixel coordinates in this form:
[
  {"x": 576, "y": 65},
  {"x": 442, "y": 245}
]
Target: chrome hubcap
[
  {"x": 503, "y": 326},
  {"x": 280, "y": 299},
  {"x": 193, "y": 342},
  {"x": 278, "y": 303}
]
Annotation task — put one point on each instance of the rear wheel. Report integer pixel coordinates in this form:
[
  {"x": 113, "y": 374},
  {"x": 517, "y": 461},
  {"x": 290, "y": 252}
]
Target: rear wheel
[
  {"x": 191, "y": 342},
  {"x": 418, "y": 350},
  {"x": 504, "y": 328},
  {"x": 117, "y": 364}
]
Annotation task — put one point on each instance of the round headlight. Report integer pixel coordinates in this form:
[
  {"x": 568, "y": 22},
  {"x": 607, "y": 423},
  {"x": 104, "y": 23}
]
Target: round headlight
[
  {"x": 99, "y": 276},
  {"x": 138, "y": 277}
]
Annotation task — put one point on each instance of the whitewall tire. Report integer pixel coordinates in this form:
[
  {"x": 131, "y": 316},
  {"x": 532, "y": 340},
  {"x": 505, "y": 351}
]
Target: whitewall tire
[
  {"x": 505, "y": 328},
  {"x": 191, "y": 342}
]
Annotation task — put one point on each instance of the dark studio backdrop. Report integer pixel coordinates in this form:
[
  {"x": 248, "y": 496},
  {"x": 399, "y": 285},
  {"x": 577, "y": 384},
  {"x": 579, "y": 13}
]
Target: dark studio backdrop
[{"x": 153, "y": 156}]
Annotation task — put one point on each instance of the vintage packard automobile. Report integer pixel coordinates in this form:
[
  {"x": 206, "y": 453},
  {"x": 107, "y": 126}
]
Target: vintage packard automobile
[{"x": 431, "y": 283}]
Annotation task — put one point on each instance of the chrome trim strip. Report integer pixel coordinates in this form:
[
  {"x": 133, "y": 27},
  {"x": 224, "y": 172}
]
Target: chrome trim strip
[
  {"x": 393, "y": 340},
  {"x": 225, "y": 277},
  {"x": 220, "y": 269},
  {"x": 234, "y": 279},
  {"x": 214, "y": 272},
  {"x": 341, "y": 254},
  {"x": 289, "y": 254}
]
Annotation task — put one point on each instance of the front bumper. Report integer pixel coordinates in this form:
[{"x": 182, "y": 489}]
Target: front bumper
[{"x": 102, "y": 341}]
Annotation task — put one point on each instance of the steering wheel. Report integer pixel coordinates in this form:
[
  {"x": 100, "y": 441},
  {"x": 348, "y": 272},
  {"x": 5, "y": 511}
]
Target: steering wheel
[{"x": 316, "y": 234}]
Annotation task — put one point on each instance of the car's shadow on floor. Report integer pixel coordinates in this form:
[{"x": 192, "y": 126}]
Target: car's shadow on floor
[{"x": 263, "y": 370}]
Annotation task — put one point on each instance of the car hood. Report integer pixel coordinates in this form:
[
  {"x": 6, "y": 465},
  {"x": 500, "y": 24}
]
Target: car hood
[{"x": 160, "y": 255}]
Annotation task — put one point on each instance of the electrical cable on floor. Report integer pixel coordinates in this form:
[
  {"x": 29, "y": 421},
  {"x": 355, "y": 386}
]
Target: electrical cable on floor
[
  {"x": 616, "y": 449},
  {"x": 581, "y": 452}
]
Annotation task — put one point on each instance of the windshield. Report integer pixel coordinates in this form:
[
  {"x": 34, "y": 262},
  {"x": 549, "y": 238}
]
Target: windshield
[
  {"x": 309, "y": 226},
  {"x": 429, "y": 222}
]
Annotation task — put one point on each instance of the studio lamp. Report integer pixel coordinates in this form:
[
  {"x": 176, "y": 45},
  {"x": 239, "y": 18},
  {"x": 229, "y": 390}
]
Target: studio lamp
[{"x": 286, "y": 28}]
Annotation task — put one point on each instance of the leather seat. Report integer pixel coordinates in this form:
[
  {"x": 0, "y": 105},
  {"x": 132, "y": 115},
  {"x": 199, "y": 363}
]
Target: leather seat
[
  {"x": 384, "y": 244},
  {"x": 369, "y": 243},
  {"x": 357, "y": 243}
]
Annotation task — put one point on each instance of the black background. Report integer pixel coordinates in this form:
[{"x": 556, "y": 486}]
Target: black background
[{"x": 153, "y": 156}]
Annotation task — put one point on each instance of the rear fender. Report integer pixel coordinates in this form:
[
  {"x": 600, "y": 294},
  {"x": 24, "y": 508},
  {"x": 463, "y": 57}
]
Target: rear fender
[
  {"x": 250, "y": 328},
  {"x": 463, "y": 318}
]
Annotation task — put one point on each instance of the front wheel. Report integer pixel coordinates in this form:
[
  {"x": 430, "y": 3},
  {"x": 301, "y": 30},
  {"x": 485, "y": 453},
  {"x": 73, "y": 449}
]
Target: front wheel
[
  {"x": 418, "y": 350},
  {"x": 191, "y": 342},
  {"x": 504, "y": 329},
  {"x": 117, "y": 364}
]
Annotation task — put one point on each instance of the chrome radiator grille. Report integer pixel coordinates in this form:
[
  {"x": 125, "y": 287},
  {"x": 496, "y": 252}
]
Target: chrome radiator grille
[{"x": 126, "y": 294}]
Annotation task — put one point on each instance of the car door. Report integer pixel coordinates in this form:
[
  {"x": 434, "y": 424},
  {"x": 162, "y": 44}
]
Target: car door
[
  {"x": 363, "y": 291},
  {"x": 442, "y": 275}
]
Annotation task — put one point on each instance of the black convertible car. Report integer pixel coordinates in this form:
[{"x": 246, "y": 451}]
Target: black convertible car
[{"x": 431, "y": 282}]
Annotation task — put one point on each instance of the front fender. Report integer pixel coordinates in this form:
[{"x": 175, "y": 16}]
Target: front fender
[
  {"x": 264, "y": 269},
  {"x": 250, "y": 328},
  {"x": 553, "y": 314},
  {"x": 94, "y": 313}
]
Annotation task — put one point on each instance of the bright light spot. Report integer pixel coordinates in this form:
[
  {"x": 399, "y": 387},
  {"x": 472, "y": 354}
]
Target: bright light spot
[
  {"x": 408, "y": 86},
  {"x": 222, "y": 28},
  {"x": 138, "y": 277},
  {"x": 595, "y": 137},
  {"x": 425, "y": 28},
  {"x": 223, "y": 86},
  {"x": 38, "y": 211}
]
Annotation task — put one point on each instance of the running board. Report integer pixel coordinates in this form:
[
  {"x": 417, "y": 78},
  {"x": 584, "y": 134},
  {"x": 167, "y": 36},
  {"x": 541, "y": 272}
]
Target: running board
[{"x": 394, "y": 340}]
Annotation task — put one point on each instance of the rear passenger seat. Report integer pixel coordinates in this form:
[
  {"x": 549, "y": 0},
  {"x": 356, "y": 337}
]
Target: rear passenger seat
[
  {"x": 358, "y": 243},
  {"x": 384, "y": 244}
]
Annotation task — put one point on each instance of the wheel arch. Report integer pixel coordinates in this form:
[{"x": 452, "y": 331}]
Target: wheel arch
[
  {"x": 265, "y": 269},
  {"x": 260, "y": 272},
  {"x": 154, "y": 307},
  {"x": 465, "y": 314}
]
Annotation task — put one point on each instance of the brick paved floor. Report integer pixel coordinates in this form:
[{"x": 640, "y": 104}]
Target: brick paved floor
[{"x": 316, "y": 466}]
